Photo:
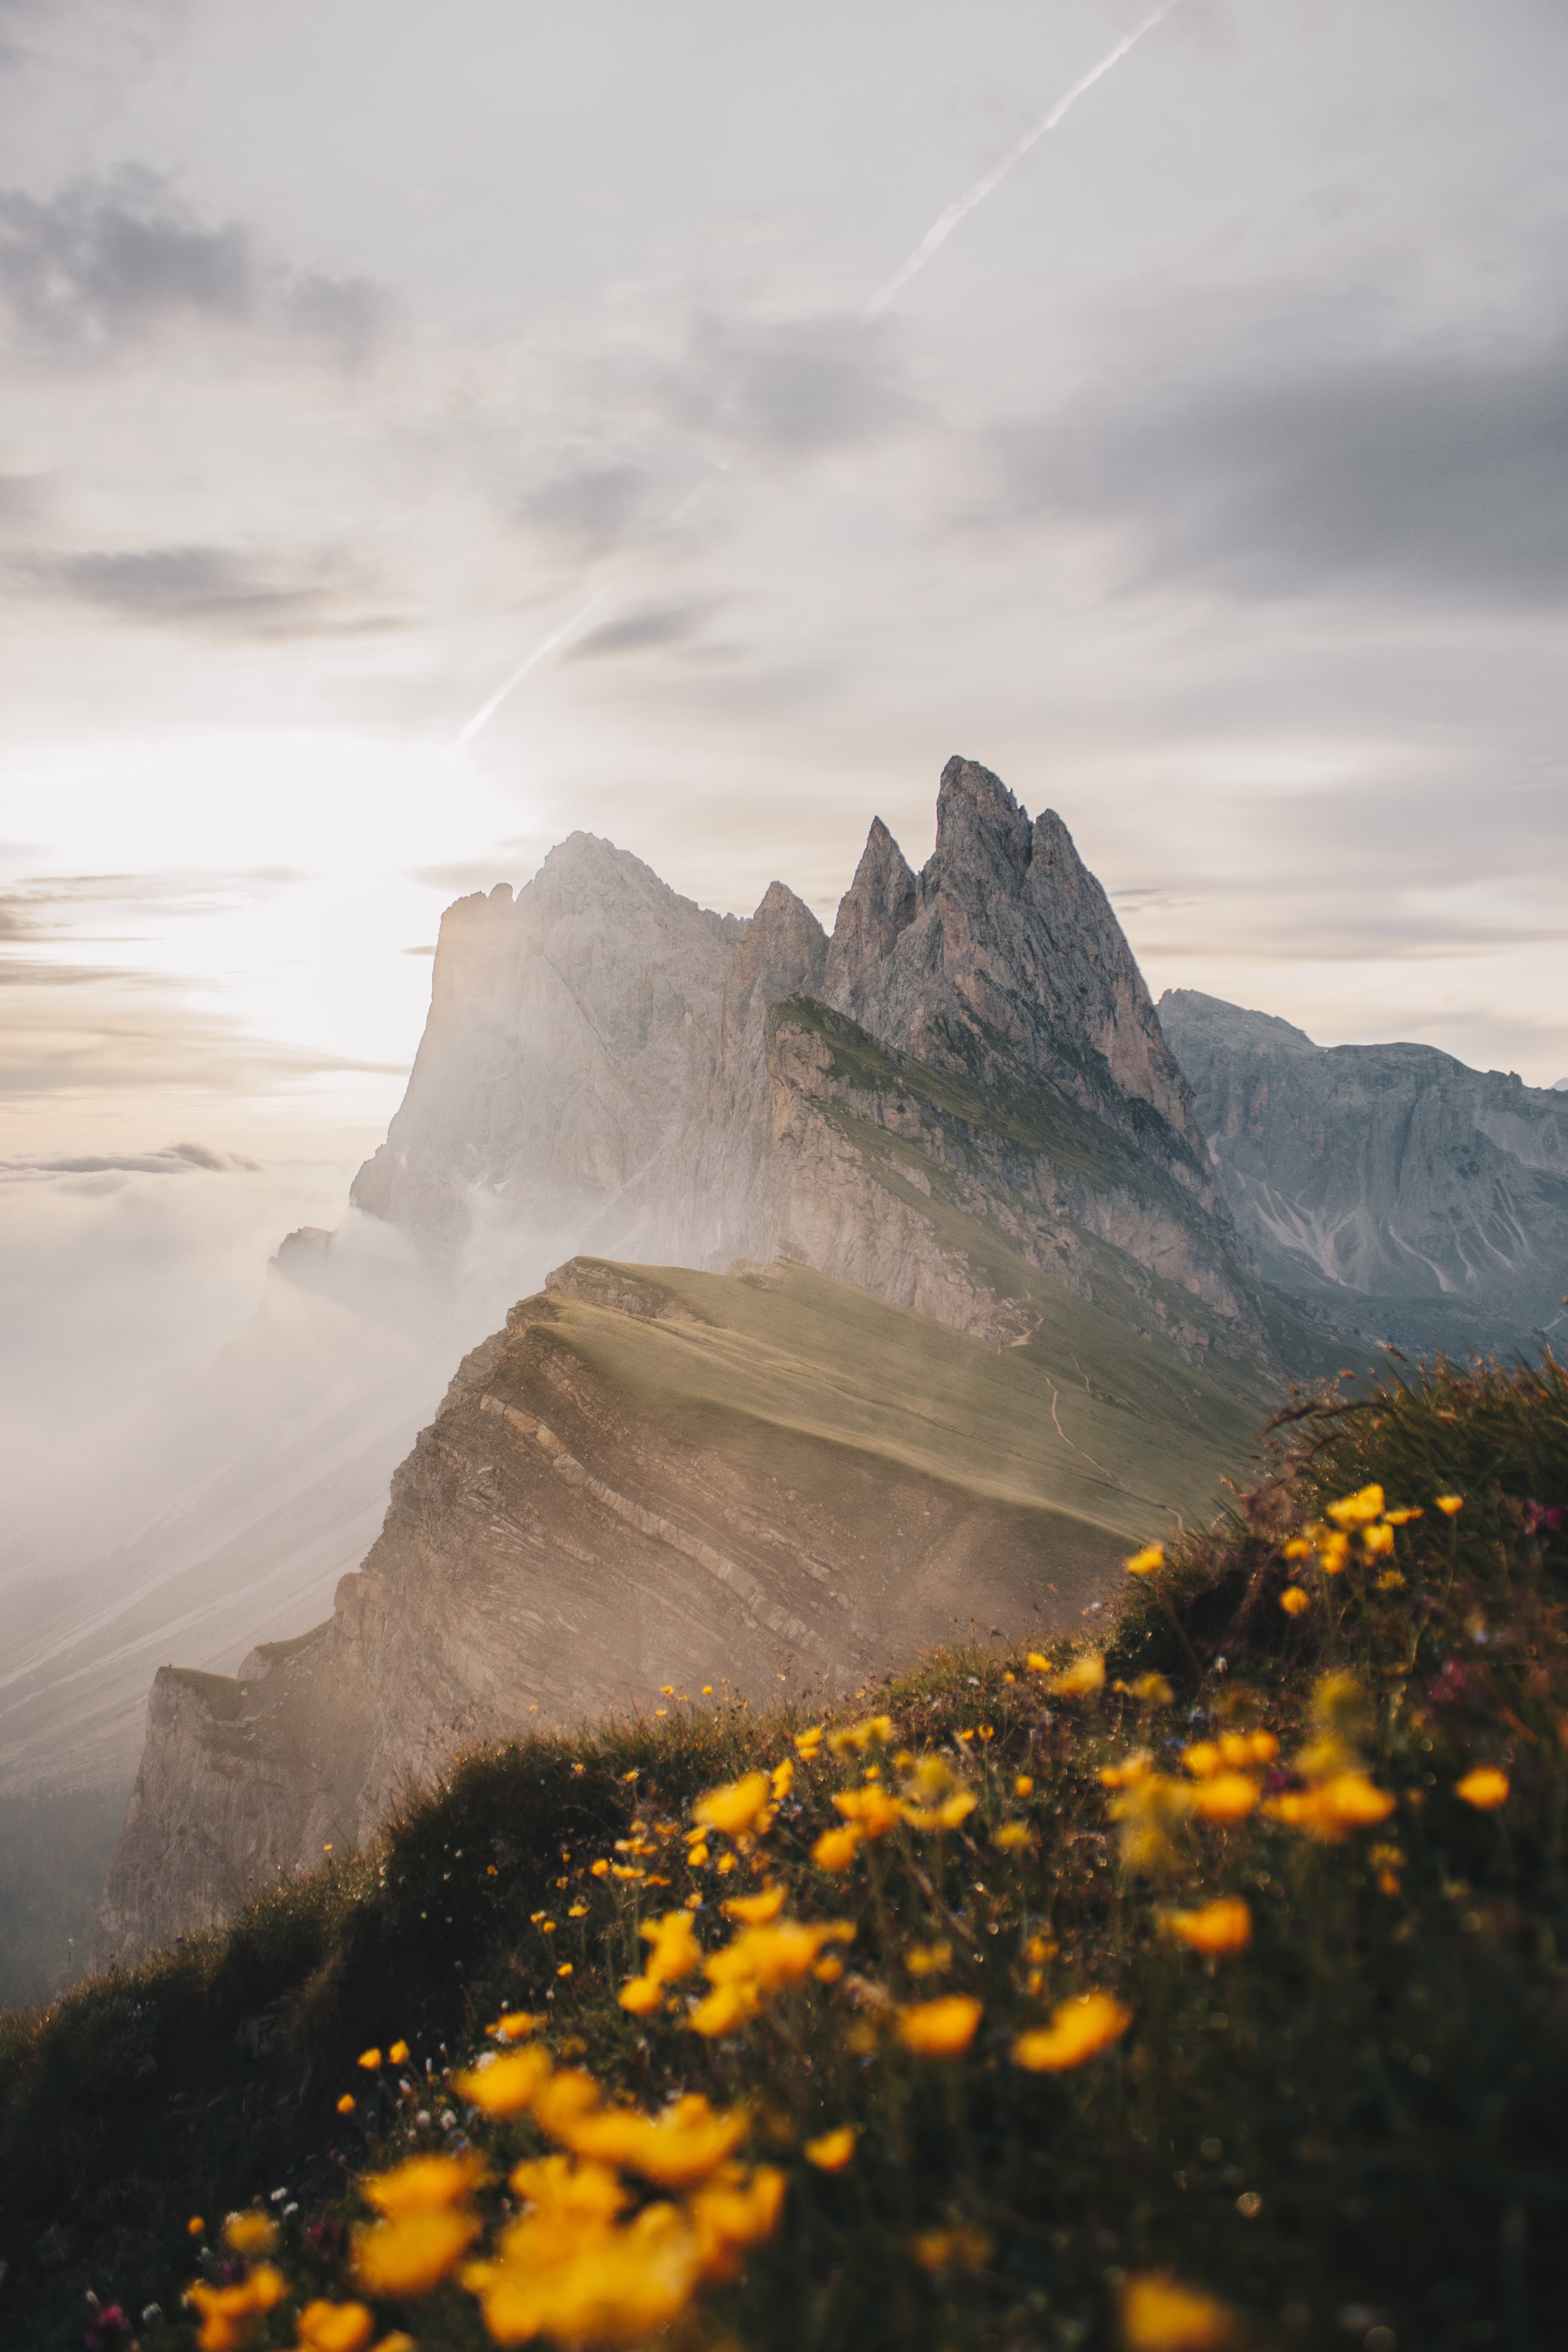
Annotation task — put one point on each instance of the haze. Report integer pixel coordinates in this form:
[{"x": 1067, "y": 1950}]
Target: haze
[{"x": 1207, "y": 481}]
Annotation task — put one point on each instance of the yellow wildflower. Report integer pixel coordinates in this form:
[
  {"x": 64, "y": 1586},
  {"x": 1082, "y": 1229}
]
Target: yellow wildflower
[
  {"x": 774, "y": 1956},
  {"x": 1132, "y": 1768},
  {"x": 948, "y": 1815},
  {"x": 736, "y": 1809},
  {"x": 836, "y": 1849},
  {"x": 599, "y": 1869},
  {"x": 1401, "y": 1518},
  {"x": 871, "y": 1807},
  {"x": 1152, "y": 1803},
  {"x": 724, "y": 2011},
  {"x": 1154, "y": 1690},
  {"x": 676, "y": 1951},
  {"x": 1333, "y": 1553},
  {"x": 1023, "y": 1785},
  {"x": 1202, "y": 1758},
  {"x": 1010, "y": 1835},
  {"x": 755, "y": 1910},
  {"x": 807, "y": 1743},
  {"x": 195, "y": 2226},
  {"x": 928, "y": 1959},
  {"x": 940, "y": 2029},
  {"x": 566, "y": 1968},
  {"x": 732, "y": 2213},
  {"x": 856, "y": 1738},
  {"x": 780, "y": 1779},
  {"x": 674, "y": 2150},
  {"x": 1224, "y": 1926},
  {"x": 398, "y": 2053},
  {"x": 1449, "y": 1504},
  {"x": 1082, "y": 1678},
  {"x": 346, "y": 2104},
  {"x": 325, "y": 2327},
  {"x": 1037, "y": 1662},
  {"x": 833, "y": 2150},
  {"x": 507, "y": 2086},
  {"x": 411, "y": 2254},
  {"x": 1299, "y": 1548},
  {"x": 958, "y": 2249},
  {"x": 1145, "y": 1562},
  {"x": 516, "y": 2025},
  {"x": 641, "y": 1996},
  {"x": 1484, "y": 1788},
  {"x": 1358, "y": 1510},
  {"x": 421, "y": 2184},
  {"x": 1376, "y": 1541},
  {"x": 230, "y": 2315},
  {"x": 1229, "y": 1797},
  {"x": 250, "y": 2233},
  {"x": 1293, "y": 1600},
  {"x": 1160, "y": 2315},
  {"x": 1078, "y": 2032},
  {"x": 1331, "y": 1810}
]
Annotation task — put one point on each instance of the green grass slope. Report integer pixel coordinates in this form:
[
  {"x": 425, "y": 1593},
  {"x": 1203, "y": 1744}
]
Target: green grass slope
[
  {"x": 1344, "y": 2129},
  {"x": 790, "y": 1352}
]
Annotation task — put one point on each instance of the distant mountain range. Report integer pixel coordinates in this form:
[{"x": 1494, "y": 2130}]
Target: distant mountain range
[{"x": 1388, "y": 1188}]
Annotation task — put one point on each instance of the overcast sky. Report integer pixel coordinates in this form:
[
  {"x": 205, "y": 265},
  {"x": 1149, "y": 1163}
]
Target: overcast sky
[{"x": 1210, "y": 482}]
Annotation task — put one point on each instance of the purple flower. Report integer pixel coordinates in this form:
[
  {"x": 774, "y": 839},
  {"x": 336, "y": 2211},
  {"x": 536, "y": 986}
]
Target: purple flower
[
  {"x": 1544, "y": 1518},
  {"x": 109, "y": 2330},
  {"x": 325, "y": 2239}
]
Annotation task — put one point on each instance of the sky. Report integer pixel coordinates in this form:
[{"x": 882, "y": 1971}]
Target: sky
[{"x": 1209, "y": 480}]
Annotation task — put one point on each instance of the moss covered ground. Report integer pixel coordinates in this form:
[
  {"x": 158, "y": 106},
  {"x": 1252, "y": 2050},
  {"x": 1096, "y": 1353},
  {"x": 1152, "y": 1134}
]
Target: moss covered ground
[{"x": 1304, "y": 1856}]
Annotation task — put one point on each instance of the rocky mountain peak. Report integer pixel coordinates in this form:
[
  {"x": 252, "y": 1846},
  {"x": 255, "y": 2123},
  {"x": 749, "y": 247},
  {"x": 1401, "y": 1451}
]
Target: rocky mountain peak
[
  {"x": 1004, "y": 949},
  {"x": 876, "y": 910}
]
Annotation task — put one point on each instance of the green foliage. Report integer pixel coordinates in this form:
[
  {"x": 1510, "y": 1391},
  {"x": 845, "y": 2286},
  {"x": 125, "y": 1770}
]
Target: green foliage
[{"x": 1352, "y": 2126}]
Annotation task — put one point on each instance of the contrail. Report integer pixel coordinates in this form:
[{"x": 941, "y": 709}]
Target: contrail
[
  {"x": 934, "y": 238},
  {"x": 943, "y": 229},
  {"x": 487, "y": 711}
]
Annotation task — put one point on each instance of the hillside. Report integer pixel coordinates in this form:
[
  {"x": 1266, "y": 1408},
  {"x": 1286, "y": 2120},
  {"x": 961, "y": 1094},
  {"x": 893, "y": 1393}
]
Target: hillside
[
  {"x": 1386, "y": 1188},
  {"x": 1192, "y": 1987},
  {"x": 651, "y": 1475}
]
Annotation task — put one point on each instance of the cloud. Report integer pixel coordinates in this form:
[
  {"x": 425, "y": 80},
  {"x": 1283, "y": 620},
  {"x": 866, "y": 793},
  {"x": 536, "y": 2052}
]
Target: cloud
[
  {"x": 1443, "y": 474},
  {"x": 173, "y": 1159},
  {"x": 220, "y": 591},
  {"x": 648, "y": 631},
  {"x": 105, "y": 266},
  {"x": 589, "y": 508},
  {"x": 790, "y": 387}
]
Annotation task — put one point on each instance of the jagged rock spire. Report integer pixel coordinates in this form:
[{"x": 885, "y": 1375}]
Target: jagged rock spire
[{"x": 1005, "y": 946}]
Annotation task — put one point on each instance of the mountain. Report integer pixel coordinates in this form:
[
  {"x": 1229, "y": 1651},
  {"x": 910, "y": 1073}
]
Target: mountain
[
  {"x": 962, "y": 1106},
  {"x": 1388, "y": 1186},
  {"x": 653, "y": 1478},
  {"x": 965, "y": 1091}
]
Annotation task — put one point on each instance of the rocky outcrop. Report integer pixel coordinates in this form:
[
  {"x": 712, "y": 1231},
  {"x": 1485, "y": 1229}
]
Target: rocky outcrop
[
  {"x": 1388, "y": 1184},
  {"x": 653, "y": 1478},
  {"x": 597, "y": 1064},
  {"x": 573, "y": 1035},
  {"x": 1002, "y": 960}
]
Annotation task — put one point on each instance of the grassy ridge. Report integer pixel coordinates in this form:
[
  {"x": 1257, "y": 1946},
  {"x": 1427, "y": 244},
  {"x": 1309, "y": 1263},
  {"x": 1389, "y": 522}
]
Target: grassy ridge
[
  {"x": 1349, "y": 2131},
  {"x": 801, "y": 1354}
]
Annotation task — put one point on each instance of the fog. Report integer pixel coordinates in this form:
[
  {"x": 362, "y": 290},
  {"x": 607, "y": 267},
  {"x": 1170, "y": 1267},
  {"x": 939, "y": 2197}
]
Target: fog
[{"x": 201, "y": 1434}]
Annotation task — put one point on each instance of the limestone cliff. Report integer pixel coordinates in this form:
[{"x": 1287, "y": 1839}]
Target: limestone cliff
[
  {"x": 1388, "y": 1185},
  {"x": 656, "y": 1477}
]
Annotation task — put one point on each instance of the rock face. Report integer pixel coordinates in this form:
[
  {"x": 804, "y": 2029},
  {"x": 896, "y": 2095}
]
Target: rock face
[
  {"x": 961, "y": 1104},
  {"x": 601, "y": 1064},
  {"x": 1387, "y": 1184},
  {"x": 1002, "y": 960},
  {"x": 655, "y": 1477}
]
